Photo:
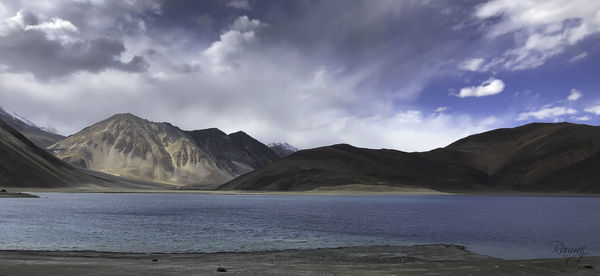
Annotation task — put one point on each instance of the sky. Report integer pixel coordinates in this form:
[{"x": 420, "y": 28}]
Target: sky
[{"x": 406, "y": 75}]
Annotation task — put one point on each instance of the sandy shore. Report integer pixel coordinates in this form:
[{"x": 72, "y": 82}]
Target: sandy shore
[{"x": 369, "y": 260}]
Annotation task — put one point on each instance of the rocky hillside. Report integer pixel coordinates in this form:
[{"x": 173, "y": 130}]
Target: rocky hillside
[
  {"x": 559, "y": 157},
  {"x": 282, "y": 149},
  {"x": 129, "y": 146},
  {"x": 38, "y": 135}
]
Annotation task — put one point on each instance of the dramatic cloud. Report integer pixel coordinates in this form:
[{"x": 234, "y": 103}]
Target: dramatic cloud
[
  {"x": 312, "y": 73},
  {"x": 52, "y": 47},
  {"x": 575, "y": 95},
  {"x": 487, "y": 88},
  {"x": 547, "y": 113},
  {"x": 542, "y": 29}
]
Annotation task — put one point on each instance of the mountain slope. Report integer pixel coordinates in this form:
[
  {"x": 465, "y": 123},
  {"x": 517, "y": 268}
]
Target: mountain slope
[
  {"x": 133, "y": 147},
  {"x": 24, "y": 164},
  {"x": 36, "y": 134},
  {"x": 530, "y": 157},
  {"x": 536, "y": 157}
]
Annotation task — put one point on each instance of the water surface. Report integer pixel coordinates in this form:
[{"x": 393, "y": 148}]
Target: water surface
[{"x": 501, "y": 226}]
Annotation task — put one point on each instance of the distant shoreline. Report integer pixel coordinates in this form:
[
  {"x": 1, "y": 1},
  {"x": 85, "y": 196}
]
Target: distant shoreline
[
  {"x": 327, "y": 191},
  {"x": 410, "y": 260}
]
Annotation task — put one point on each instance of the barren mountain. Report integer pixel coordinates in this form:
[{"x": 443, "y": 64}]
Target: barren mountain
[
  {"x": 23, "y": 164},
  {"x": 133, "y": 147},
  {"x": 534, "y": 158},
  {"x": 38, "y": 135}
]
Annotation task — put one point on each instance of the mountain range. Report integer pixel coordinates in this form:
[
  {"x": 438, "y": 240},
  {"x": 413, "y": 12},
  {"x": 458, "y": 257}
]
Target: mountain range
[
  {"x": 128, "y": 146},
  {"x": 127, "y": 151},
  {"x": 539, "y": 157}
]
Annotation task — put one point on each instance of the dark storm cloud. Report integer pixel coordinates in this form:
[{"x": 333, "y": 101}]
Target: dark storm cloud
[
  {"x": 401, "y": 43},
  {"x": 52, "y": 41},
  {"x": 31, "y": 51}
]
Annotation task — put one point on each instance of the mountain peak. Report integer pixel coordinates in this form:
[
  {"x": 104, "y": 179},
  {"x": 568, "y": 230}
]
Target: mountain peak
[
  {"x": 125, "y": 116},
  {"x": 282, "y": 149}
]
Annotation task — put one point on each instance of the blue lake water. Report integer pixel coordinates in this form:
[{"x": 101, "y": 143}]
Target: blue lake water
[{"x": 501, "y": 226}]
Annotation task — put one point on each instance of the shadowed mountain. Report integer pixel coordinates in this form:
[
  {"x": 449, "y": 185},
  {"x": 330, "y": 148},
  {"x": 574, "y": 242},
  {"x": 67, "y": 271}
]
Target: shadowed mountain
[
  {"x": 23, "y": 164},
  {"x": 282, "y": 149},
  {"x": 133, "y": 147},
  {"x": 42, "y": 138},
  {"x": 534, "y": 158}
]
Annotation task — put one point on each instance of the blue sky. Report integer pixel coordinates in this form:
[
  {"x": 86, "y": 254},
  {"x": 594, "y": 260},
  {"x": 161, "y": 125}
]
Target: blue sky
[{"x": 408, "y": 75}]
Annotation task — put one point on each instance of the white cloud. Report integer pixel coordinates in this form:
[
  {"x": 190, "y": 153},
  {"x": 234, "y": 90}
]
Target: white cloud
[
  {"x": 593, "y": 109},
  {"x": 578, "y": 57},
  {"x": 3, "y": 11},
  {"x": 221, "y": 54},
  {"x": 575, "y": 95},
  {"x": 473, "y": 64},
  {"x": 57, "y": 29},
  {"x": 239, "y": 4},
  {"x": 582, "y": 118},
  {"x": 12, "y": 24},
  {"x": 489, "y": 87},
  {"x": 546, "y": 113},
  {"x": 54, "y": 28},
  {"x": 542, "y": 29},
  {"x": 53, "y": 24},
  {"x": 441, "y": 109},
  {"x": 408, "y": 130}
]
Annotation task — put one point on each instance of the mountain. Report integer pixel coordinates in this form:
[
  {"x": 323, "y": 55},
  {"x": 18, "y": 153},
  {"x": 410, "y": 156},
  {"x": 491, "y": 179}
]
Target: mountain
[
  {"x": 38, "y": 135},
  {"x": 25, "y": 165},
  {"x": 559, "y": 157},
  {"x": 129, "y": 146},
  {"x": 282, "y": 149}
]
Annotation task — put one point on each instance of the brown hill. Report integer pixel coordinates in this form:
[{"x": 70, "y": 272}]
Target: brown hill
[{"x": 535, "y": 158}]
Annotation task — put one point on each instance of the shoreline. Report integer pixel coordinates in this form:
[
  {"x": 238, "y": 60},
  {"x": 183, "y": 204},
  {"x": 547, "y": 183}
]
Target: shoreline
[
  {"x": 415, "y": 192},
  {"x": 16, "y": 195},
  {"x": 439, "y": 259}
]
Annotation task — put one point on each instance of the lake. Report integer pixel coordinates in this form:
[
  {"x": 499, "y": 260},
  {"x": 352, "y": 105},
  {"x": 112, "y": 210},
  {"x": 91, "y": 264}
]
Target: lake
[{"x": 503, "y": 226}]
